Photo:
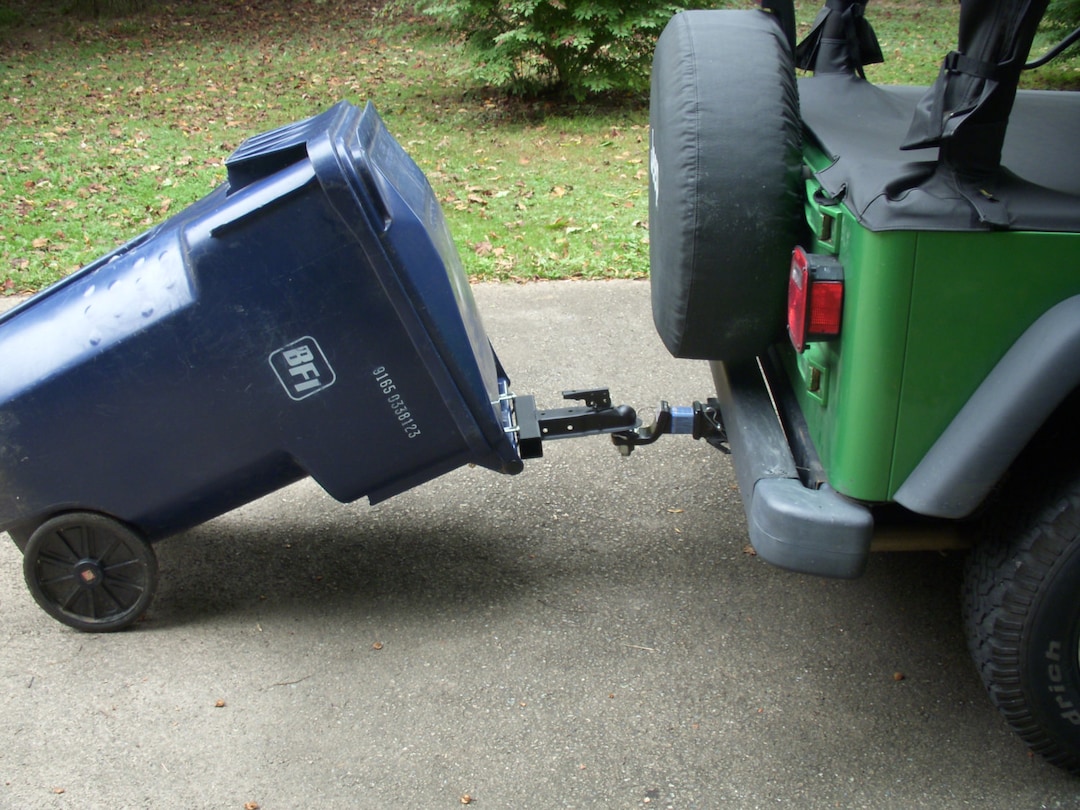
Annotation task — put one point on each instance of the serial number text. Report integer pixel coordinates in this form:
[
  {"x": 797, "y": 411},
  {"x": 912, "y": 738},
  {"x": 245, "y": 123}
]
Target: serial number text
[{"x": 396, "y": 403}]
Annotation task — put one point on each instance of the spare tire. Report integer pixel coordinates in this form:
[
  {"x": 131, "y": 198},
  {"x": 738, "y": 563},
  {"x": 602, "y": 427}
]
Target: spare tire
[{"x": 725, "y": 202}]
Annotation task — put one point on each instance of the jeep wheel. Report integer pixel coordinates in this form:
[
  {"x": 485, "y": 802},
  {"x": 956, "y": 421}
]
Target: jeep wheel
[
  {"x": 725, "y": 191},
  {"x": 1022, "y": 614}
]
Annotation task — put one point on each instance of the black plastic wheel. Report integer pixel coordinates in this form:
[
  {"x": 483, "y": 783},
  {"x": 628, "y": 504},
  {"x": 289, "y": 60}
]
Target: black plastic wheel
[
  {"x": 90, "y": 572},
  {"x": 1022, "y": 615},
  {"x": 725, "y": 190}
]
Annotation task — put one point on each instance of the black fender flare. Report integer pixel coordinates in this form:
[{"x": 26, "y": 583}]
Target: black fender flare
[{"x": 1015, "y": 399}]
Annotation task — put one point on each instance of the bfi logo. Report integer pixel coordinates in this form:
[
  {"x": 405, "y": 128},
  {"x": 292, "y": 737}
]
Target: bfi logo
[{"x": 302, "y": 368}]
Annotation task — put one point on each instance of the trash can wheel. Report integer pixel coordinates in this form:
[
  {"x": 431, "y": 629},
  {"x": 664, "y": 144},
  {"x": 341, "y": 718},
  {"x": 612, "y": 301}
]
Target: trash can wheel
[{"x": 90, "y": 572}]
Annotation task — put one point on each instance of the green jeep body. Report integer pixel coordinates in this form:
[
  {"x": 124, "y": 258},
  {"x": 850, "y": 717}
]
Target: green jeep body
[
  {"x": 928, "y": 315},
  {"x": 953, "y": 214}
]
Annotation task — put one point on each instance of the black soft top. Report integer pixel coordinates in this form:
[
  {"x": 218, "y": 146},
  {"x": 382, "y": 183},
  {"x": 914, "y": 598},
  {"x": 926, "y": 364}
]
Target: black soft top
[{"x": 862, "y": 126}]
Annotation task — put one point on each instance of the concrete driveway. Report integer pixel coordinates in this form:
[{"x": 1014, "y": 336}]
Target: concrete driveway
[{"x": 591, "y": 633}]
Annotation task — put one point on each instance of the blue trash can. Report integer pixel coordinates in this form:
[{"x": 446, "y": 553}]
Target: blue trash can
[{"x": 310, "y": 317}]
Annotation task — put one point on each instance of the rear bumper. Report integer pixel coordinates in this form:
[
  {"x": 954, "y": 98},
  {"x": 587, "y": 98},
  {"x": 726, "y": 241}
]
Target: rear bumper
[{"x": 791, "y": 525}]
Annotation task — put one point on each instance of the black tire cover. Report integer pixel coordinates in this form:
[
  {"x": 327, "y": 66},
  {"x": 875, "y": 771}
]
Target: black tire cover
[{"x": 725, "y": 202}]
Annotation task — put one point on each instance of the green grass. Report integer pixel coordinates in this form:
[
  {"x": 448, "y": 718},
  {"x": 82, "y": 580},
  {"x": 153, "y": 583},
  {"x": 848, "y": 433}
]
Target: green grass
[
  {"x": 565, "y": 196},
  {"x": 110, "y": 127}
]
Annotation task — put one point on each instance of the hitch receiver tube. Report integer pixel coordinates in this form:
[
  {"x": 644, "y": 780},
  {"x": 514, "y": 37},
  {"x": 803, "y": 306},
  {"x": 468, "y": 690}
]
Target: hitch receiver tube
[{"x": 598, "y": 416}]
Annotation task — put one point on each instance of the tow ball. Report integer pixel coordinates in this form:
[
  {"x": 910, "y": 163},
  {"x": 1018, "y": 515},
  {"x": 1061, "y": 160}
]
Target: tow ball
[{"x": 596, "y": 415}]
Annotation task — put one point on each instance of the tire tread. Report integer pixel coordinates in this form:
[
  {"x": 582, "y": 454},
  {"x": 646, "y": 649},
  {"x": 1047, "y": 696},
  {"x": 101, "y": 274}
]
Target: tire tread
[{"x": 1003, "y": 581}]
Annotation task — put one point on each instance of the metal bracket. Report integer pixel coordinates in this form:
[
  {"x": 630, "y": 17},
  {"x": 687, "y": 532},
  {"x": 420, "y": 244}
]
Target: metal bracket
[
  {"x": 598, "y": 416},
  {"x": 700, "y": 421},
  {"x": 595, "y": 417}
]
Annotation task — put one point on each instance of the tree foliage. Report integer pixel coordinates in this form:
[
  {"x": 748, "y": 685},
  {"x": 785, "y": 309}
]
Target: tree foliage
[
  {"x": 1062, "y": 16},
  {"x": 1064, "y": 13},
  {"x": 569, "y": 47},
  {"x": 95, "y": 9}
]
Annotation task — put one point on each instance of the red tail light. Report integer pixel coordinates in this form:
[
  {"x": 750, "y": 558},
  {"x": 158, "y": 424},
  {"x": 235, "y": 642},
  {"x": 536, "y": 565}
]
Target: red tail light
[{"x": 815, "y": 298}]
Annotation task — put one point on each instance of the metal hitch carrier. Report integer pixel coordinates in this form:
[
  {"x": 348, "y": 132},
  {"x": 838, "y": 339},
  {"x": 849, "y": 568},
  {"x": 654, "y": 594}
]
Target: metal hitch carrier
[
  {"x": 701, "y": 421},
  {"x": 598, "y": 416}
]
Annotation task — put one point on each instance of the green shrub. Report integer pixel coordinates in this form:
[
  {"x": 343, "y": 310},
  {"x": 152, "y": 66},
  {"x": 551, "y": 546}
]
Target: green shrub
[
  {"x": 107, "y": 9},
  {"x": 9, "y": 18},
  {"x": 1064, "y": 13},
  {"x": 566, "y": 47},
  {"x": 1063, "y": 72}
]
